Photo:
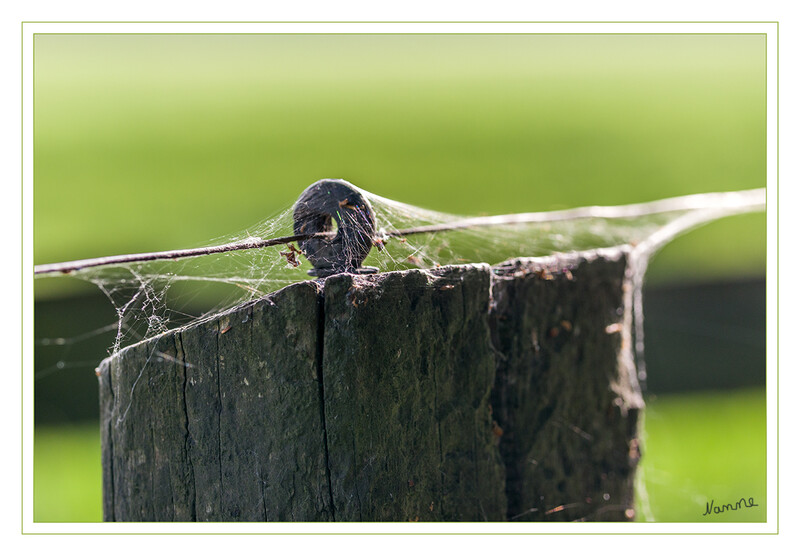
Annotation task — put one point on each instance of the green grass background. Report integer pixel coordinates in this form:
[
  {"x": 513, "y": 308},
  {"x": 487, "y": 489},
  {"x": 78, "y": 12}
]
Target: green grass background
[
  {"x": 162, "y": 142},
  {"x": 153, "y": 142}
]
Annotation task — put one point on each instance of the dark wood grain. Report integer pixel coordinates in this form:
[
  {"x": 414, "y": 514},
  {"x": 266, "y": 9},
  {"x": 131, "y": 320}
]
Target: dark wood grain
[
  {"x": 464, "y": 393},
  {"x": 566, "y": 395}
]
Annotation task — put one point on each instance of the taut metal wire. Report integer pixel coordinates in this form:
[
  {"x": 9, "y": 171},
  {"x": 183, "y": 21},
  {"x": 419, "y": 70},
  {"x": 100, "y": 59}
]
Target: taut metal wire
[{"x": 733, "y": 202}]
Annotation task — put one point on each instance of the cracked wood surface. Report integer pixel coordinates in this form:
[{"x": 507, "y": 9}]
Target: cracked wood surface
[
  {"x": 464, "y": 393},
  {"x": 407, "y": 376},
  {"x": 220, "y": 421}
]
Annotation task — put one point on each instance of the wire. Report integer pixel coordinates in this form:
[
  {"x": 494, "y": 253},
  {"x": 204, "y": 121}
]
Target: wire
[
  {"x": 250, "y": 243},
  {"x": 730, "y": 202}
]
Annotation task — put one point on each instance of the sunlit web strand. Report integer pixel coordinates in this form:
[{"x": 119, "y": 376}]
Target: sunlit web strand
[{"x": 730, "y": 202}]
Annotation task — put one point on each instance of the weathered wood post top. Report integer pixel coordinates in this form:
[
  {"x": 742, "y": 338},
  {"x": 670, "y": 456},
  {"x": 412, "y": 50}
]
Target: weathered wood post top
[{"x": 460, "y": 393}]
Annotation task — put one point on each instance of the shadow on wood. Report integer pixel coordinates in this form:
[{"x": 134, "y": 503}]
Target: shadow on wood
[{"x": 462, "y": 393}]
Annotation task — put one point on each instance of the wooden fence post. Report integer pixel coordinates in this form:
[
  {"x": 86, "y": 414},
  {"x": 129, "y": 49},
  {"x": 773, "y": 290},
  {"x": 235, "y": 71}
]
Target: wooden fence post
[{"x": 461, "y": 393}]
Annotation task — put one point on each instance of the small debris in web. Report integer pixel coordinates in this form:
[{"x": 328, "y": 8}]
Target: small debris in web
[{"x": 291, "y": 255}]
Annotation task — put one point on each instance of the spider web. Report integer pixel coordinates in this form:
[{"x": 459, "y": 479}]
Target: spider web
[{"x": 152, "y": 297}]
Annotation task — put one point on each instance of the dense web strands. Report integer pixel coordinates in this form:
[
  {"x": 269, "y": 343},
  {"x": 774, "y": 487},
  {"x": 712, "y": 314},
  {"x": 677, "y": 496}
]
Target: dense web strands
[{"x": 155, "y": 292}]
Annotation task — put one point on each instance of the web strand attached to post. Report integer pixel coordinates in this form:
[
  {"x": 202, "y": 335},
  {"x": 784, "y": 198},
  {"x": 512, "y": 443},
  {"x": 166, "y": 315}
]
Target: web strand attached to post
[
  {"x": 724, "y": 202},
  {"x": 153, "y": 292}
]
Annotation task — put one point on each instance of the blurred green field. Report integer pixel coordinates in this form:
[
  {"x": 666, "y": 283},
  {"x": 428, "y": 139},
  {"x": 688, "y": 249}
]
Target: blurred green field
[
  {"x": 696, "y": 448},
  {"x": 154, "y": 142},
  {"x": 67, "y": 476},
  {"x": 704, "y": 446}
]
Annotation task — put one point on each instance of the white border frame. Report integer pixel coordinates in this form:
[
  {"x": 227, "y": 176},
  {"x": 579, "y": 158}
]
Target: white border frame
[{"x": 768, "y": 28}]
